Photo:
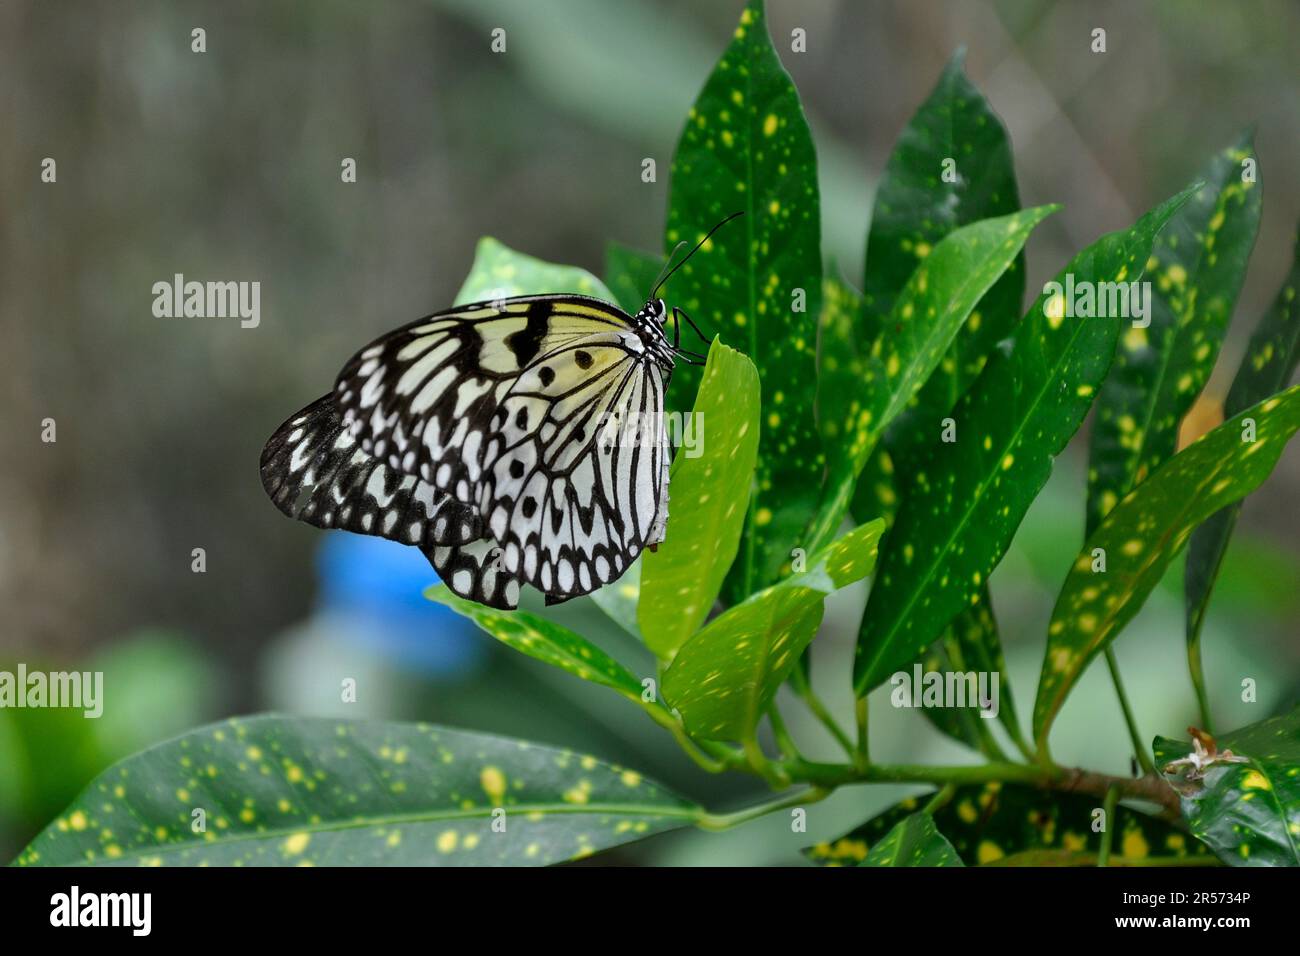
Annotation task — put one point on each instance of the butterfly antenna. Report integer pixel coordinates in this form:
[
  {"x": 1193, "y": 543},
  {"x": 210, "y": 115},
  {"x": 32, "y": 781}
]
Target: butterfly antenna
[
  {"x": 663, "y": 273},
  {"x": 655, "y": 292}
]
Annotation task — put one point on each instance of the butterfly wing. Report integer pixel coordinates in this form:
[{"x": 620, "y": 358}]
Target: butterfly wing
[
  {"x": 576, "y": 469},
  {"x": 314, "y": 470},
  {"x": 473, "y": 571},
  {"x": 423, "y": 397}
]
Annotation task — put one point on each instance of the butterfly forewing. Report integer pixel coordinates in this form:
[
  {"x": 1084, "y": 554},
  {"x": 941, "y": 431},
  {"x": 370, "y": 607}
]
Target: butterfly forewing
[
  {"x": 422, "y": 398},
  {"x": 314, "y": 470}
]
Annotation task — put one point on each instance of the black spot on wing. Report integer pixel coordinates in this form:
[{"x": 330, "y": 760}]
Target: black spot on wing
[{"x": 527, "y": 342}]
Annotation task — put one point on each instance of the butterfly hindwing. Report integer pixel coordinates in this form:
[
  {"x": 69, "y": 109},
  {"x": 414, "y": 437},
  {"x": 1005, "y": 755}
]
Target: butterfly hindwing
[
  {"x": 315, "y": 471},
  {"x": 473, "y": 571},
  {"x": 576, "y": 468}
]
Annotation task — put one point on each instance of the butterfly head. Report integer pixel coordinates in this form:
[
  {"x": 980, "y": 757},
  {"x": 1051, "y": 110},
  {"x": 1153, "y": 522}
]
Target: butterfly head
[{"x": 650, "y": 322}]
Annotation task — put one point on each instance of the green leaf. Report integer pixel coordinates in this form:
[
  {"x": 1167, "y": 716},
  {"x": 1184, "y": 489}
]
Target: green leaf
[
  {"x": 680, "y": 582},
  {"x": 987, "y": 823},
  {"x": 290, "y": 791},
  {"x": 875, "y": 496},
  {"x": 499, "y": 272},
  {"x": 928, "y": 312},
  {"x": 619, "y": 599},
  {"x": 630, "y": 274},
  {"x": 545, "y": 641},
  {"x": 1248, "y": 813},
  {"x": 913, "y": 842},
  {"x": 962, "y": 724},
  {"x": 746, "y": 147},
  {"x": 971, "y": 643},
  {"x": 1146, "y": 531},
  {"x": 843, "y": 369},
  {"x": 962, "y": 509},
  {"x": 916, "y": 207},
  {"x": 725, "y": 676},
  {"x": 1196, "y": 269},
  {"x": 1269, "y": 362}
]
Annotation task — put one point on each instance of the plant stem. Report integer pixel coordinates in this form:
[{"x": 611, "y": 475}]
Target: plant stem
[
  {"x": 1108, "y": 817},
  {"x": 864, "y": 743},
  {"x": 724, "y": 821},
  {"x": 1139, "y": 749},
  {"x": 775, "y": 774},
  {"x": 940, "y": 799},
  {"x": 1197, "y": 672},
  {"x": 987, "y": 743},
  {"x": 784, "y": 741},
  {"x": 804, "y": 688},
  {"x": 674, "y": 727}
]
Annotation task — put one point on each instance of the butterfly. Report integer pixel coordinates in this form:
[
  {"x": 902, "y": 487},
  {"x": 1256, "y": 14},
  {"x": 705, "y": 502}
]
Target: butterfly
[{"x": 516, "y": 441}]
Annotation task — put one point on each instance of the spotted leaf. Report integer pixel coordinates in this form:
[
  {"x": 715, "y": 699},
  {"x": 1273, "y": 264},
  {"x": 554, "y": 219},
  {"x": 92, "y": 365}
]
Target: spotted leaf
[
  {"x": 1196, "y": 269},
  {"x": 927, "y": 314},
  {"x": 1146, "y": 531},
  {"x": 1269, "y": 363},
  {"x": 500, "y": 272},
  {"x": 952, "y": 166},
  {"x": 757, "y": 283},
  {"x": 989, "y": 823},
  {"x": 915, "y": 841},
  {"x": 294, "y": 791},
  {"x": 970, "y": 644},
  {"x": 545, "y": 641},
  {"x": 727, "y": 673},
  {"x": 1248, "y": 813},
  {"x": 710, "y": 486},
  {"x": 963, "y": 507}
]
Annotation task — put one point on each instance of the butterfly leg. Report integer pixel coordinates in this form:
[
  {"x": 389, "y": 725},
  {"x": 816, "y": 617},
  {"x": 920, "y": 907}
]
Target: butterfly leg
[{"x": 678, "y": 315}]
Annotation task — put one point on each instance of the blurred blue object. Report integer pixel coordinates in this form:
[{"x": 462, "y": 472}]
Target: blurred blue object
[{"x": 382, "y": 583}]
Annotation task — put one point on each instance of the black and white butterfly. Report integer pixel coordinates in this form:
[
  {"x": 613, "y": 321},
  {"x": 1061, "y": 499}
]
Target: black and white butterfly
[{"x": 491, "y": 437}]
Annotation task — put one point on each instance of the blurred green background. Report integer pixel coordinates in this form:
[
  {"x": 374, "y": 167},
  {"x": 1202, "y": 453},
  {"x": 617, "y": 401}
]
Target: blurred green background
[{"x": 225, "y": 165}]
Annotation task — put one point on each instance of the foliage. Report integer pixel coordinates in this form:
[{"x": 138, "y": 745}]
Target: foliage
[{"x": 926, "y": 407}]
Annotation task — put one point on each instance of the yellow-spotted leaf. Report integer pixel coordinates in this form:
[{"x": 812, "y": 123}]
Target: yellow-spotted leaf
[
  {"x": 545, "y": 641},
  {"x": 1245, "y": 802},
  {"x": 725, "y": 676},
  {"x": 952, "y": 166},
  {"x": 927, "y": 314},
  {"x": 709, "y": 487},
  {"x": 499, "y": 272},
  {"x": 1165, "y": 357},
  {"x": 746, "y": 148},
  {"x": 990, "y": 824},
  {"x": 1147, "y": 530},
  {"x": 971, "y": 645},
  {"x": 914, "y": 841},
  {"x": 1269, "y": 363},
  {"x": 306, "y": 791},
  {"x": 963, "y": 506}
]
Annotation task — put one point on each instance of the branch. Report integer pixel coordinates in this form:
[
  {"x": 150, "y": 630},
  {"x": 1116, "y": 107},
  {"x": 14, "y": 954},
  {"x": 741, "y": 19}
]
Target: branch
[{"x": 1064, "y": 779}]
